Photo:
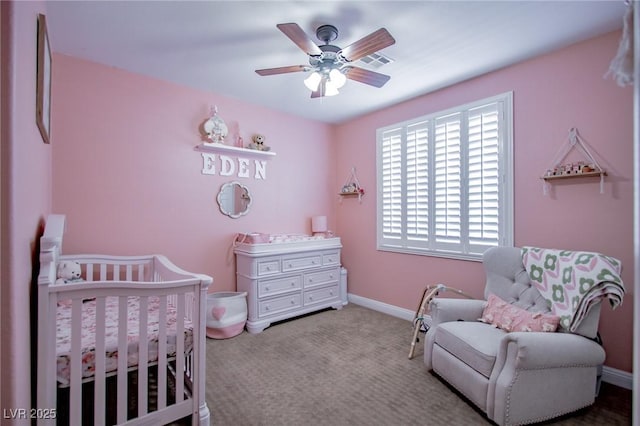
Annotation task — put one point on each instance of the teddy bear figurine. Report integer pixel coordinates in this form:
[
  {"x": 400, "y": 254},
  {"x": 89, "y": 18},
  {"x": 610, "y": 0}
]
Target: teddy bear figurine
[
  {"x": 68, "y": 272},
  {"x": 258, "y": 143}
]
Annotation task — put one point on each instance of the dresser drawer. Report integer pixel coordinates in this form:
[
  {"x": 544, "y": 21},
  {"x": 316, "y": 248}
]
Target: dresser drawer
[
  {"x": 331, "y": 259},
  {"x": 313, "y": 279},
  {"x": 278, "y": 285},
  {"x": 321, "y": 295},
  {"x": 279, "y": 304},
  {"x": 293, "y": 263},
  {"x": 268, "y": 266}
]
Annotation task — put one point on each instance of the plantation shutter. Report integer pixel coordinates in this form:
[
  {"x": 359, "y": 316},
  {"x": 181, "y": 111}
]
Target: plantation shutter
[
  {"x": 390, "y": 186},
  {"x": 448, "y": 181},
  {"x": 445, "y": 181},
  {"x": 417, "y": 187},
  {"x": 484, "y": 178}
]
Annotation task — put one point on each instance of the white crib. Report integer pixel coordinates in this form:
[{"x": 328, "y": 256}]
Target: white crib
[{"x": 81, "y": 378}]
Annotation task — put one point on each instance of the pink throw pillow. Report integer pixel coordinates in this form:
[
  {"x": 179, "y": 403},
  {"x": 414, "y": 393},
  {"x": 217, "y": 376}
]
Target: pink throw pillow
[{"x": 512, "y": 318}]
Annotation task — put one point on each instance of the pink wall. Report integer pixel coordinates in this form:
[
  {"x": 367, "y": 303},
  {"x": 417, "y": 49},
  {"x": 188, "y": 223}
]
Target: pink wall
[
  {"x": 552, "y": 93},
  {"x": 127, "y": 176},
  {"x": 129, "y": 180},
  {"x": 26, "y": 199}
]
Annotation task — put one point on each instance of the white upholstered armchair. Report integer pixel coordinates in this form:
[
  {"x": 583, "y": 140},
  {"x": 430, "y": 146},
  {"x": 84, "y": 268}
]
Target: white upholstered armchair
[{"x": 514, "y": 377}]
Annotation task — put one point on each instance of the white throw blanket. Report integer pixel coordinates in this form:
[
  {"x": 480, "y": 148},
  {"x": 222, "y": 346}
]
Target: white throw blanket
[{"x": 573, "y": 281}]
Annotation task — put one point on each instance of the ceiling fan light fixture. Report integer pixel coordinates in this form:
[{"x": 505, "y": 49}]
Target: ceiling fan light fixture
[
  {"x": 313, "y": 81},
  {"x": 330, "y": 88},
  {"x": 336, "y": 78}
]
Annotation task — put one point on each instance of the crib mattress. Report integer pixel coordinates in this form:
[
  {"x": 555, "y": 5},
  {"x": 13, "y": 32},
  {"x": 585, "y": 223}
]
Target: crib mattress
[{"x": 63, "y": 336}]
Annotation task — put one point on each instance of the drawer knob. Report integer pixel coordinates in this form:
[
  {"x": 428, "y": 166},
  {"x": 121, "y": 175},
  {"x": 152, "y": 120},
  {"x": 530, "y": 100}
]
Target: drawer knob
[
  {"x": 266, "y": 308},
  {"x": 291, "y": 265},
  {"x": 310, "y": 280},
  {"x": 313, "y": 262},
  {"x": 330, "y": 260},
  {"x": 331, "y": 292},
  {"x": 310, "y": 297},
  {"x": 293, "y": 283},
  {"x": 293, "y": 302},
  {"x": 267, "y": 288},
  {"x": 268, "y": 268},
  {"x": 331, "y": 276}
]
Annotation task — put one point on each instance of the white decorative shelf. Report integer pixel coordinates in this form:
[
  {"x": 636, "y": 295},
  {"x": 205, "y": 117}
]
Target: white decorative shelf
[{"x": 221, "y": 148}]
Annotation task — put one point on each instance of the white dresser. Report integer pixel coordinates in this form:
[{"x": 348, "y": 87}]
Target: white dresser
[{"x": 287, "y": 279}]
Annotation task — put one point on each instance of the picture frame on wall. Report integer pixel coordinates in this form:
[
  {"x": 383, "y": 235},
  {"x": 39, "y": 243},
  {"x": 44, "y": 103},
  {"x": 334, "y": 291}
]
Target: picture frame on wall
[{"x": 43, "y": 81}]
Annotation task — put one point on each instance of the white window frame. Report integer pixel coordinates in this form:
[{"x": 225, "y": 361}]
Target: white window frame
[{"x": 462, "y": 250}]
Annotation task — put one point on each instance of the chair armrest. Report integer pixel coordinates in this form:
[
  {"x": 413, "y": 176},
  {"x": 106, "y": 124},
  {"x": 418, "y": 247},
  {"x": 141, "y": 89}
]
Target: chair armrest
[
  {"x": 545, "y": 365},
  {"x": 549, "y": 350},
  {"x": 447, "y": 309}
]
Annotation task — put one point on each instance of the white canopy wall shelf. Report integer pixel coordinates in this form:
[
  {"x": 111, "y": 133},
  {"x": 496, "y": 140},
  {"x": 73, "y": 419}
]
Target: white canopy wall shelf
[
  {"x": 580, "y": 169},
  {"x": 352, "y": 186}
]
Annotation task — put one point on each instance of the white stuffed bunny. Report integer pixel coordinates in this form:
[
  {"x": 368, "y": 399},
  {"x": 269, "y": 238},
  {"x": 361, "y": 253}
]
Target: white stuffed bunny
[{"x": 68, "y": 272}]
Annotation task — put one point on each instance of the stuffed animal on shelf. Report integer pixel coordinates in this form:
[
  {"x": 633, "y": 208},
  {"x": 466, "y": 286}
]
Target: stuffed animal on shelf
[
  {"x": 68, "y": 272},
  {"x": 258, "y": 143}
]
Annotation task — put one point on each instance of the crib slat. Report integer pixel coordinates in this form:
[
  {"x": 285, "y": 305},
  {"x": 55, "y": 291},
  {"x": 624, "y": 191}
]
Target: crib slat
[
  {"x": 75, "y": 376},
  {"x": 129, "y": 272},
  {"x": 162, "y": 353},
  {"x": 47, "y": 395},
  {"x": 143, "y": 356},
  {"x": 180, "y": 349},
  {"x": 100, "y": 366},
  {"x": 116, "y": 273},
  {"x": 103, "y": 271},
  {"x": 122, "y": 359},
  {"x": 89, "y": 272}
]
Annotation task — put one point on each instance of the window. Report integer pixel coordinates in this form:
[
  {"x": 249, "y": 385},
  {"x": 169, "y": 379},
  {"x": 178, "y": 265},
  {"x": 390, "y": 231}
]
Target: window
[{"x": 445, "y": 181}]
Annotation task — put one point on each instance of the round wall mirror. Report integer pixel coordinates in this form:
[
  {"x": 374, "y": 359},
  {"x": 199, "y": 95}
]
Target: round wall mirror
[{"x": 234, "y": 199}]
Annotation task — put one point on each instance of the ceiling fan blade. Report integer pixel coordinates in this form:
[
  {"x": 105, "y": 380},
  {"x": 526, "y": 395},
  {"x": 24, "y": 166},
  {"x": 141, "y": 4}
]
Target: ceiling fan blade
[
  {"x": 300, "y": 38},
  {"x": 282, "y": 70},
  {"x": 365, "y": 76},
  {"x": 375, "y": 41}
]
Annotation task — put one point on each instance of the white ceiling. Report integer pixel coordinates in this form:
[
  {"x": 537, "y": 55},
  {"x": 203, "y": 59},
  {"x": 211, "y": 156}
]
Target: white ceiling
[{"x": 216, "y": 45}]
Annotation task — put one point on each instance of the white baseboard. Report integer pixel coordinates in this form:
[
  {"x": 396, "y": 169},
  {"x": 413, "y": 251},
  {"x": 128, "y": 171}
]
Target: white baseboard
[
  {"x": 617, "y": 377},
  {"x": 385, "y": 308},
  {"x": 611, "y": 375}
]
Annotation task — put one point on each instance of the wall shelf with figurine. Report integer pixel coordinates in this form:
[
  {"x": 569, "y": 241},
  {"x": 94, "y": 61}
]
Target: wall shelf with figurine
[
  {"x": 580, "y": 169},
  {"x": 352, "y": 187},
  {"x": 226, "y": 155},
  {"x": 228, "y": 149}
]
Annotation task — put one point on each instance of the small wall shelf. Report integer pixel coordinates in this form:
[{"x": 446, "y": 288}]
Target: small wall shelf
[
  {"x": 352, "y": 187},
  {"x": 581, "y": 169},
  {"x": 227, "y": 149},
  {"x": 575, "y": 175}
]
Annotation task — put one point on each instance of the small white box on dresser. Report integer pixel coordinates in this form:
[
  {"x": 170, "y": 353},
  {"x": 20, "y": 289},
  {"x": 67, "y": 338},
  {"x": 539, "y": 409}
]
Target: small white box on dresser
[{"x": 288, "y": 279}]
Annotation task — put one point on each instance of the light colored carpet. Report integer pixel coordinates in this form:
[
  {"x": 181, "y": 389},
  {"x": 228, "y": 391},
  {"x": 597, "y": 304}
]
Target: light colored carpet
[{"x": 347, "y": 367}]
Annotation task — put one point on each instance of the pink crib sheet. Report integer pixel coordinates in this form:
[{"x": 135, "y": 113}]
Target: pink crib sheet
[{"x": 63, "y": 341}]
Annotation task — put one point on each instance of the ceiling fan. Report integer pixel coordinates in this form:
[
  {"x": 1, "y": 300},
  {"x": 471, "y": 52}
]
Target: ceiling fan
[{"x": 329, "y": 63}]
